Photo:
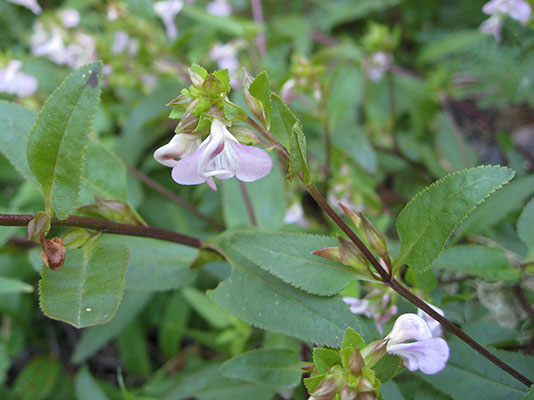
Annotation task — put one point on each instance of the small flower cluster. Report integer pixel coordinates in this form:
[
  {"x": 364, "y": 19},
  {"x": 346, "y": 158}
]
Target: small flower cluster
[
  {"x": 349, "y": 373},
  {"x": 498, "y": 10},
  {"x": 305, "y": 76},
  {"x": 378, "y": 43},
  {"x": 225, "y": 152}
]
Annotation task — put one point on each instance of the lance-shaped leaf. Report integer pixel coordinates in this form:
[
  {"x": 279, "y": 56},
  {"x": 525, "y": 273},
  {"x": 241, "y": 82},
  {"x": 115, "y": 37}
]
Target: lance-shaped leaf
[
  {"x": 297, "y": 153},
  {"x": 10, "y": 285},
  {"x": 429, "y": 219},
  {"x": 58, "y": 139},
  {"x": 88, "y": 288},
  {"x": 272, "y": 367},
  {"x": 289, "y": 257},
  {"x": 260, "y": 299}
]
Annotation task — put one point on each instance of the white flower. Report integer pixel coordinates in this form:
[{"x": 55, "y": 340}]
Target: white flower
[
  {"x": 220, "y": 8},
  {"x": 435, "y": 326},
  {"x": 221, "y": 155},
  {"x": 13, "y": 81},
  {"x": 425, "y": 352},
  {"x": 181, "y": 145},
  {"x": 50, "y": 45},
  {"x": 70, "y": 17},
  {"x": 167, "y": 11},
  {"x": 376, "y": 65},
  {"x": 30, "y": 4},
  {"x": 123, "y": 41},
  {"x": 498, "y": 9}
]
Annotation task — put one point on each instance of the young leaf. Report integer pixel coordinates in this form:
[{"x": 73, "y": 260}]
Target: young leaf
[
  {"x": 272, "y": 367},
  {"x": 133, "y": 350},
  {"x": 88, "y": 288},
  {"x": 297, "y": 153},
  {"x": 525, "y": 228},
  {"x": 353, "y": 339},
  {"x": 429, "y": 219},
  {"x": 15, "y": 123},
  {"x": 263, "y": 300},
  {"x": 324, "y": 359},
  {"x": 58, "y": 139},
  {"x": 173, "y": 324},
  {"x": 288, "y": 256},
  {"x": 487, "y": 263}
]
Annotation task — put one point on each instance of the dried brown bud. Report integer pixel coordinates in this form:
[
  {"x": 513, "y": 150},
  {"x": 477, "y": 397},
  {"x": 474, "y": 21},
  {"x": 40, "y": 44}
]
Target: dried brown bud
[
  {"x": 347, "y": 393},
  {"x": 355, "y": 362},
  {"x": 367, "y": 396},
  {"x": 325, "y": 390},
  {"x": 53, "y": 254},
  {"x": 365, "y": 385}
]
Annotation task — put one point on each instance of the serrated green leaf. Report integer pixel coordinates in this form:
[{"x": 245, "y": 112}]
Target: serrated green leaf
[
  {"x": 58, "y": 139},
  {"x": 37, "y": 379},
  {"x": 15, "y": 123},
  {"x": 429, "y": 219},
  {"x": 387, "y": 367},
  {"x": 469, "y": 375},
  {"x": 525, "y": 228},
  {"x": 506, "y": 201},
  {"x": 260, "y": 88},
  {"x": 266, "y": 302},
  {"x": 88, "y": 288},
  {"x": 297, "y": 153},
  {"x": 288, "y": 257},
  {"x": 324, "y": 359},
  {"x": 224, "y": 77},
  {"x": 10, "y": 285},
  {"x": 171, "y": 260},
  {"x": 272, "y": 367},
  {"x": 86, "y": 387},
  {"x": 95, "y": 337},
  {"x": 485, "y": 262},
  {"x": 282, "y": 120},
  {"x": 104, "y": 174}
]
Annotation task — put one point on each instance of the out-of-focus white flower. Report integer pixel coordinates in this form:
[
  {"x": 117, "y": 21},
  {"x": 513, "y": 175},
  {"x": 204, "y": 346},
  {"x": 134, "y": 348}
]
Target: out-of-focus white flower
[
  {"x": 113, "y": 13},
  {"x": 70, "y": 17},
  {"x": 412, "y": 340},
  {"x": 30, "y": 4},
  {"x": 50, "y": 45},
  {"x": 180, "y": 146},
  {"x": 220, "y": 8},
  {"x": 14, "y": 81},
  {"x": 149, "y": 81},
  {"x": 498, "y": 9},
  {"x": 83, "y": 50},
  {"x": 225, "y": 55},
  {"x": 123, "y": 41},
  {"x": 167, "y": 11},
  {"x": 295, "y": 215},
  {"x": 376, "y": 65}
]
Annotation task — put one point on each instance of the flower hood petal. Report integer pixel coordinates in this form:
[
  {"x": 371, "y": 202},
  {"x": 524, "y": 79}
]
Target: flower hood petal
[{"x": 429, "y": 355}]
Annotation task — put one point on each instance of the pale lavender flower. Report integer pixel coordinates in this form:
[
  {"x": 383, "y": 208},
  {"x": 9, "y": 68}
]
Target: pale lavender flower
[
  {"x": 287, "y": 91},
  {"x": 221, "y": 155},
  {"x": 181, "y": 145},
  {"x": 498, "y": 9},
  {"x": 220, "y": 8},
  {"x": 113, "y": 13},
  {"x": 50, "y": 45},
  {"x": 83, "y": 50},
  {"x": 376, "y": 305},
  {"x": 122, "y": 41},
  {"x": 14, "y": 81},
  {"x": 70, "y": 17},
  {"x": 295, "y": 215},
  {"x": 358, "y": 306},
  {"x": 30, "y": 4},
  {"x": 167, "y": 11},
  {"x": 376, "y": 65},
  {"x": 435, "y": 326},
  {"x": 424, "y": 352}
]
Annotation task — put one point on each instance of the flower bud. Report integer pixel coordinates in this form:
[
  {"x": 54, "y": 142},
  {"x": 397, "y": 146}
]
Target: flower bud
[
  {"x": 325, "y": 390},
  {"x": 244, "y": 135},
  {"x": 255, "y": 106},
  {"x": 350, "y": 254},
  {"x": 374, "y": 238},
  {"x": 39, "y": 226},
  {"x": 374, "y": 351},
  {"x": 347, "y": 393},
  {"x": 356, "y": 220},
  {"x": 366, "y": 396},
  {"x": 365, "y": 385},
  {"x": 197, "y": 74},
  {"x": 332, "y": 253},
  {"x": 53, "y": 254},
  {"x": 355, "y": 362}
]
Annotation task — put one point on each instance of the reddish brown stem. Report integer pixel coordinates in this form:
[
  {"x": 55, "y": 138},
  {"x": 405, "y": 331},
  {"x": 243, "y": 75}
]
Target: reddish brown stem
[{"x": 106, "y": 227}]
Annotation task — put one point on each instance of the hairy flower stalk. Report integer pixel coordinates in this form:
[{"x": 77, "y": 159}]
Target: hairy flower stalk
[{"x": 220, "y": 155}]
